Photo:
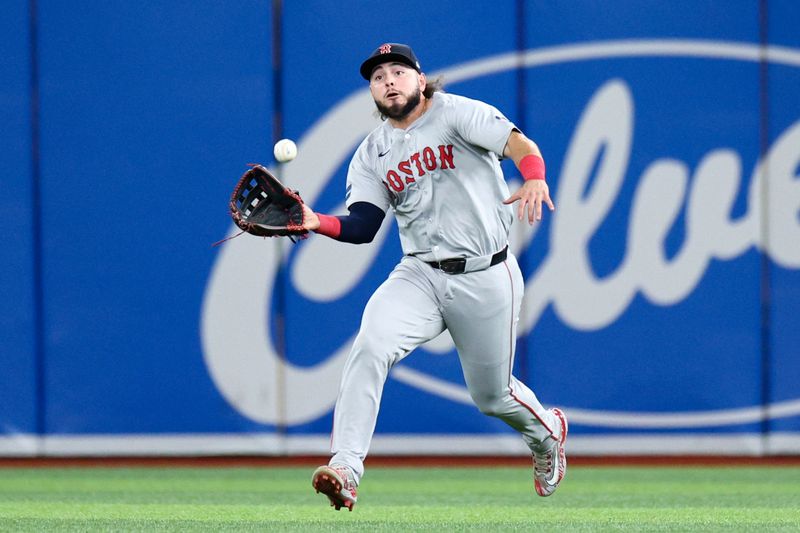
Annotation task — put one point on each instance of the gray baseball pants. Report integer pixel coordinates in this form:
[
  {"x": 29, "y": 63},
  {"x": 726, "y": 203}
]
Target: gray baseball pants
[{"x": 414, "y": 305}]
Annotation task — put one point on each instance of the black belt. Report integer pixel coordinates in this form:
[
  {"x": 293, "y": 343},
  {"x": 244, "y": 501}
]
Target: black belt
[{"x": 457, "y": 266}]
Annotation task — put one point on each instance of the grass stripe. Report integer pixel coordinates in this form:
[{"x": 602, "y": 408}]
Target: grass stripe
[{"x": 399, "y": 499}]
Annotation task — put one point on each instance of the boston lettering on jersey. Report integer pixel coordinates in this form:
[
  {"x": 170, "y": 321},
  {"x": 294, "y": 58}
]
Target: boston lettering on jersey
[{"x": 425, "y": 159}]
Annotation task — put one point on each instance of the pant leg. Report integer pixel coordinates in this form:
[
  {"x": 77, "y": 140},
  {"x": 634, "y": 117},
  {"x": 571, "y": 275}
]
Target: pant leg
[
  {"x": 402, "y": 314},
  {"x": 482, "y": 314}
]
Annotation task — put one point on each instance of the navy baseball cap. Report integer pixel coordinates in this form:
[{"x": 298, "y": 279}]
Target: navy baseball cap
[{"x": 390, "y": 52}]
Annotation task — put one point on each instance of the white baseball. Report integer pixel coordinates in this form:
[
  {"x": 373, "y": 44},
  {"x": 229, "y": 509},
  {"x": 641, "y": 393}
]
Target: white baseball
[{"x": 285, "y": 150}]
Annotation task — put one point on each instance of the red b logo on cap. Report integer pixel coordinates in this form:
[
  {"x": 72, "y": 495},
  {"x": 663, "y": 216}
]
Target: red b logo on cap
[{"x": 385, "y": 49}]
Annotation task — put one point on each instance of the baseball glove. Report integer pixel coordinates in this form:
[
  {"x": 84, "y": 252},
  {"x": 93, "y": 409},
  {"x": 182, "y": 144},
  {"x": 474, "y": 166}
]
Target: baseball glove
[{"x": 262, "y": 205}]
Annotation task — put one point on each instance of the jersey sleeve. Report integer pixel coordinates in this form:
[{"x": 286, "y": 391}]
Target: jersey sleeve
[
  {"x": 363, "y": 182},
  {"x": 481, "y": 124}
]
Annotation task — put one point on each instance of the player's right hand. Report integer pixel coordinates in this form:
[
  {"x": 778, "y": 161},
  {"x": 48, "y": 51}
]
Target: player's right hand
[{"x": 311, "y": 220}]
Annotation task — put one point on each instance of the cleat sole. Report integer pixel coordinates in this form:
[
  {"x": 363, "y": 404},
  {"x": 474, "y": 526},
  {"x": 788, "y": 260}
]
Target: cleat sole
[{"x": 331, "y": 487}]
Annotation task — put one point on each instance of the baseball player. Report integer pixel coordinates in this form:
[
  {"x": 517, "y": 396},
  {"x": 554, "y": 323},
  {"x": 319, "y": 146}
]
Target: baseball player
[{"x": 435, "y": 162}]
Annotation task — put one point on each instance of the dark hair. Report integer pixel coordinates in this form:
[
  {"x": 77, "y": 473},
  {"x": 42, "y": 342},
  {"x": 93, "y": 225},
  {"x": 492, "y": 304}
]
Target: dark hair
[{"x": 435, "y": 85}]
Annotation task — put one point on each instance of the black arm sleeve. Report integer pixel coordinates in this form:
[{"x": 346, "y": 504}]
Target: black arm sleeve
[{"x": 362, "y": 224}]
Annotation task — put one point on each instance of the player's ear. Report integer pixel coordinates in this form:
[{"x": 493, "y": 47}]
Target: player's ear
[{"x": 423, "y": 82}]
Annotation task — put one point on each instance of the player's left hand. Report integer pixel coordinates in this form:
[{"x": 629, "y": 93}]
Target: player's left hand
[{"x": 531, "y": 196}]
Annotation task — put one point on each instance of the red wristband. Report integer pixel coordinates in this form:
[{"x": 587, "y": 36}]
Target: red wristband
[
  {"x": 329, "y": 226},
  {"x": 532, "y": 167}
]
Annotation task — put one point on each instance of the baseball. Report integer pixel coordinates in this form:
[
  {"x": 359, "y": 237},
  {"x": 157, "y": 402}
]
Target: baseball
[{"x": 285, "y": 150}]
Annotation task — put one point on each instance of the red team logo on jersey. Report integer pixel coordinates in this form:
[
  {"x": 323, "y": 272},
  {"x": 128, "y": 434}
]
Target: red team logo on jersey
[{"x": 426, "y": 159}]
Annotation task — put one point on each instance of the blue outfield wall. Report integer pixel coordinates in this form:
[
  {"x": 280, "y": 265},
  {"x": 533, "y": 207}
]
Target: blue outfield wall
[
  {"x": 18, "y": 355},
  {"x": 661, "y": 295}
]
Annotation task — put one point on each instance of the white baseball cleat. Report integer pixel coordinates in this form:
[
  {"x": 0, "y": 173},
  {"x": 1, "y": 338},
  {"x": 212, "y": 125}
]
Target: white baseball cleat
[
  {"x": 550, "y": 461},
  {"x": 337, "y": 483}
]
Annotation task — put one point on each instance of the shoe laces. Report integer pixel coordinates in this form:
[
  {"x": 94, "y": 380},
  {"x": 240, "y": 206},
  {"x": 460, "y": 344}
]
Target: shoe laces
[
  {"x": 347, "y": 476},
  {"x": 543, "y": 463}
]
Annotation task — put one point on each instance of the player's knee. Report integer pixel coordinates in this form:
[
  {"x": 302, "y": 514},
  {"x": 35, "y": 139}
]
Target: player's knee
[
  {"x": 370, "y": 350},
  {"x": 491, "y": 405}
]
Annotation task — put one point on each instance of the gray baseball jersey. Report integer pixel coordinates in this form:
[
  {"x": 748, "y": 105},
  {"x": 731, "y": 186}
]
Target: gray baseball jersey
[{"x": 443, "y": 179}]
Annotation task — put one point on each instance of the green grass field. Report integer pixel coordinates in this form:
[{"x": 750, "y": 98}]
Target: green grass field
[{"x": 400, "y": 499}]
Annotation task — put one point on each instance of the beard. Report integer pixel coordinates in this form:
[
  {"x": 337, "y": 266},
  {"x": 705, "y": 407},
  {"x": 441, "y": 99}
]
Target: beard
[{"x": 397, "y": 111}]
